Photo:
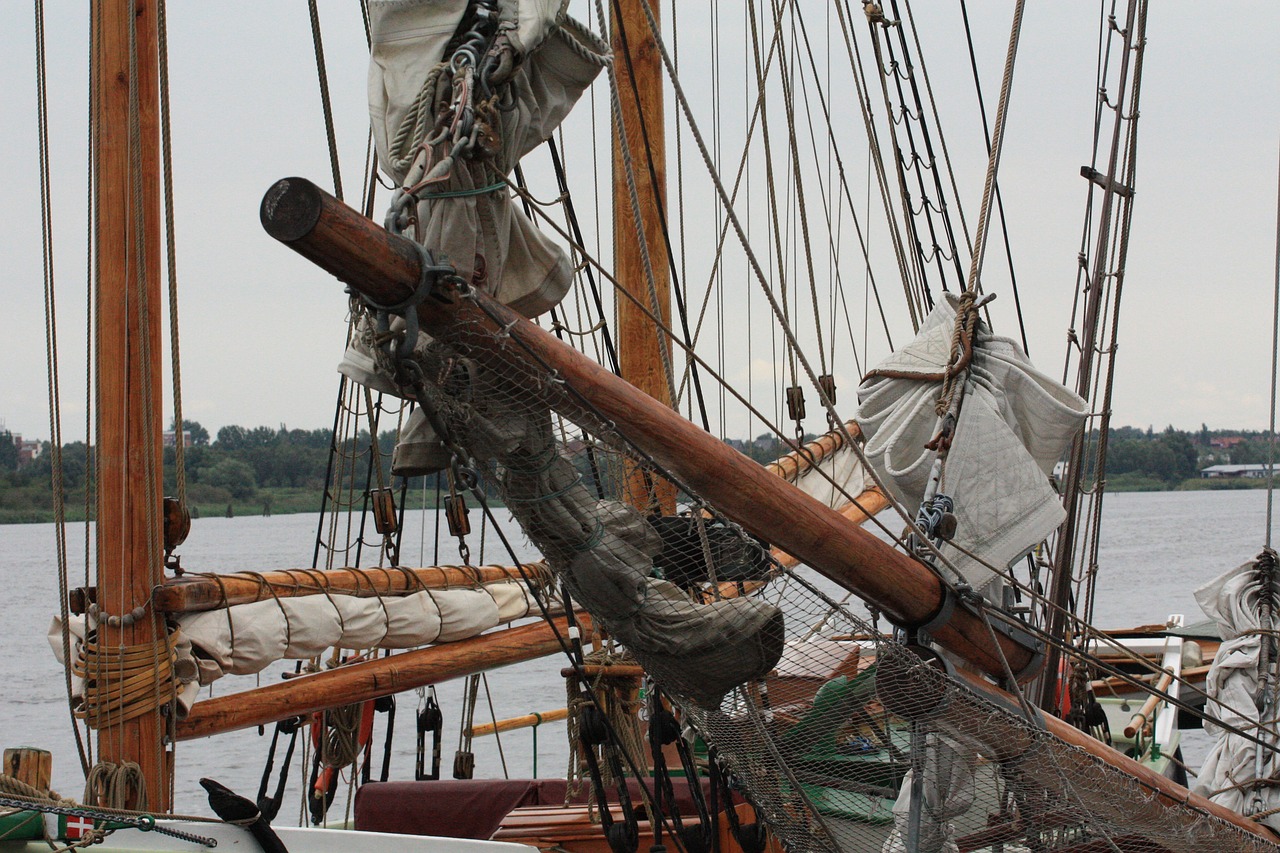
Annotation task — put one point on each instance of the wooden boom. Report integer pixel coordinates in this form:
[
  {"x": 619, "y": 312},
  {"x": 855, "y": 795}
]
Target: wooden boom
[
  {"x": 193, "y": 593},
  {"x": 387, "y": 268},
  {"x": 375, "y": 678}
]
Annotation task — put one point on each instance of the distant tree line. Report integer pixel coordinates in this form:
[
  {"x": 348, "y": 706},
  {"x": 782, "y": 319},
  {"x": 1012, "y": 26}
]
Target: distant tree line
[
  {"x": 1172, "y": 455},
  {"x": 231, "y": 466},
  {"x": 237, "y": 462}
]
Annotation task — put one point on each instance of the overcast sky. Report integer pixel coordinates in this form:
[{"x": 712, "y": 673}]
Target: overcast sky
[{"x": 262, "y": 331}]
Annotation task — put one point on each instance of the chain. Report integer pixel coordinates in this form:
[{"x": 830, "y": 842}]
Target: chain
[{"x": 142, "y": 822}]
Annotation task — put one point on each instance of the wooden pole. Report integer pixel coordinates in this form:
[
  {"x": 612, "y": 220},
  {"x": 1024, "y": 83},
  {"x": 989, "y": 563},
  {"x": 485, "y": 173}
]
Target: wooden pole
[
  {"x": 526, "y": 721},
  {"x": 196, "y": 593},
  {"x": 1140, "y": 719},
  {"x": 906, "y": 591},
  {"x": 868, "y": 504},
  {"x": 791, "y": 465},
  {"x": 129, "y": 306},
  {"x": 375, "y": 678},
  {"x": 643, "y": 348}
]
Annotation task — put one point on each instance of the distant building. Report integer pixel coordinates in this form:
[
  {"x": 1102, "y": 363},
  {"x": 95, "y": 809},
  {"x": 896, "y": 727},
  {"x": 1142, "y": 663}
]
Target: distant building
[
  {"x": 1255, "y": 472},
  {"x": 27, "y": 450},
  {"x": 1226, "y": 442},
  {"x": 171, "y": 438}
]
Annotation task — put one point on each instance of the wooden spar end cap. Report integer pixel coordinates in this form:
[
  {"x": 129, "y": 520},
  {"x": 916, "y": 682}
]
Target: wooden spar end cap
[{"x": 291, "y": 209}]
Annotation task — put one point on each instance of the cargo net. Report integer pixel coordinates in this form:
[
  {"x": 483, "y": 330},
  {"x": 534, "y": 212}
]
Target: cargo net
[{"x": 840, "y": 737}]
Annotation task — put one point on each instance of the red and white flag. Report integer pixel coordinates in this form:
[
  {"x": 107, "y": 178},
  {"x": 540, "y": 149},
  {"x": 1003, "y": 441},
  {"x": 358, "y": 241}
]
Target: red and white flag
[{"x": 78, "y": 827}]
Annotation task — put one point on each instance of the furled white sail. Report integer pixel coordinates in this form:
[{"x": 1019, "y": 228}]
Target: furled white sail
[
  {"x": 1233, "y": 600},
  {"x": 467, "y": 215},
  {"x": 246, "y": 638},
  {"x": 1014, "y": 425}
]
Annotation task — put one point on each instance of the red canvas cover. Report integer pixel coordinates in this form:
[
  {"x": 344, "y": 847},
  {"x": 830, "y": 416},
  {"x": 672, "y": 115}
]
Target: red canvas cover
[{"x": 472, "y": 808}]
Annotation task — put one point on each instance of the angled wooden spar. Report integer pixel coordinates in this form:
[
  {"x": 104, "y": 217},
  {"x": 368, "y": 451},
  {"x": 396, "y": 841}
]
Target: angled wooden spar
[
  {"x": 375, "y": 678},
  {"x": 387, "y": 268}
]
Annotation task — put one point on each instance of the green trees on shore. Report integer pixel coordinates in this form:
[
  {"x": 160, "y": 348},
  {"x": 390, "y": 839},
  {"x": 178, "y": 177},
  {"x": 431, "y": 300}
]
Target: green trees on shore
[
  {"x": 241, "y": 464},
  {"x": 233, "y": 467}
]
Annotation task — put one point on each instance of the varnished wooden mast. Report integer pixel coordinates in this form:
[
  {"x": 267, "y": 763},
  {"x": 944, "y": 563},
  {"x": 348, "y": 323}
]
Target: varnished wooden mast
[
  {"x": 641, "y": 141},
  {"x": 129, "y": 548}
]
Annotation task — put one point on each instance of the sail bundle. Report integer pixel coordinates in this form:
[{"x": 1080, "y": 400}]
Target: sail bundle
[
  {"x": 1014, "y": 425},
  {"x": 1242, "y": 693}
]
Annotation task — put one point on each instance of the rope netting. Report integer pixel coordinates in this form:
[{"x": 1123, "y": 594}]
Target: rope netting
[{"x": 842, "y": 738}]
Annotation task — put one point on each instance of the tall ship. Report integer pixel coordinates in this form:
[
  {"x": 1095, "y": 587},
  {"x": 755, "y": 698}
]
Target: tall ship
[{"x": 593, "y": 240}]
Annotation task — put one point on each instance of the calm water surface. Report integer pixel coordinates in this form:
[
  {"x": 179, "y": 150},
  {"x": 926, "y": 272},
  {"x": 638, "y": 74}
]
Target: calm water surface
[{"x": 1156, "y": 549}]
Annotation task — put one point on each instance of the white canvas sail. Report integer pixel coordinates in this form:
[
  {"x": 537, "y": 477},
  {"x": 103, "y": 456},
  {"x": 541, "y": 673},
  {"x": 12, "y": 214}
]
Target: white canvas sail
[
  {"x": 1233, "y": 685},
  {"x": 1014, "y": 425}
]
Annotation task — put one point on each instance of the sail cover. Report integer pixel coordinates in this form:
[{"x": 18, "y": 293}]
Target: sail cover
[
  {"x": 1233, "y": 600},
  {"x": 526, "y": 73},
  {"x": 467, "y": 214},
  {"x": 1014, "y": 424}
]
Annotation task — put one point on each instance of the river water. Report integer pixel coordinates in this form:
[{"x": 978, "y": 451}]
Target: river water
[{"x": 1157, "y": 547}]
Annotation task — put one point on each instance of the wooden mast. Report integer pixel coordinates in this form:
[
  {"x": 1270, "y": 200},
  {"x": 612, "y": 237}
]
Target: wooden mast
[
  {"x": 129, "y": 484},
  {"x": 639, "y": 151}
]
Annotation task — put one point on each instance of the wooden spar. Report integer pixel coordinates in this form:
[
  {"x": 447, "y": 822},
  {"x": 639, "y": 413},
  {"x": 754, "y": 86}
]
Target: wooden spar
[
  {"x": 303, "y": 216},
  {"x": 860, "y": 510},
  {"x": 811, "y": 454},
  {"x": 526, "y": 721},
  {"x": 375, "y": 678},
  {"x": 1140, "y": 719},
  {"x": 129, "y": 490},
  {"x": 194, "y": 593},
  {"x": 643, "y": 348}
]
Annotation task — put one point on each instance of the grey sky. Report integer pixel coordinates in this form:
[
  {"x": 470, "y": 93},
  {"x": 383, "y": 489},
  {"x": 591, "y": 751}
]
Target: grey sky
[{"x": 261, "y": 330}]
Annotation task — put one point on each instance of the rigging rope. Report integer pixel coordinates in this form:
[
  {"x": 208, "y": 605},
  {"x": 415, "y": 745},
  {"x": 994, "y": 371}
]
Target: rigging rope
[
  {"x": 997, "y": 148},
  {"x": 1275, "y": 361},
  {"x": 51, "y": 357},
  {"x": 171, "y": 258}
]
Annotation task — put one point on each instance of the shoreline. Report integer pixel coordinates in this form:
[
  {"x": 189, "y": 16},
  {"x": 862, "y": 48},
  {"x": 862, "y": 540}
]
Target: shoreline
[{"x": 292, "y": 501}]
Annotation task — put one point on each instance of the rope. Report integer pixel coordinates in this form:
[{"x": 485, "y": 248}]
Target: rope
[
  {"x": 1275, "y": 361},
  {"x": 51, "y": 360},
  {"x": 962, "y": 343},
  {"x": 323, "y": 79},
  {"x": 13, "y": 785},
  {"x": 116, "y": 785},
  {"x": 491, "y": 188},
  {"x": 171, "y": 255},
  {"x": 997, "y": 147}
]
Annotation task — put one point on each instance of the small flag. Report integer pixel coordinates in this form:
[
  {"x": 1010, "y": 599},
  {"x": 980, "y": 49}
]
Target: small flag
[{"x": 77, "y": 827}]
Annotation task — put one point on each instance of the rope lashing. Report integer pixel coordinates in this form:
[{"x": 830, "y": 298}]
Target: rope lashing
[{"x": 961, "y": 349}]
